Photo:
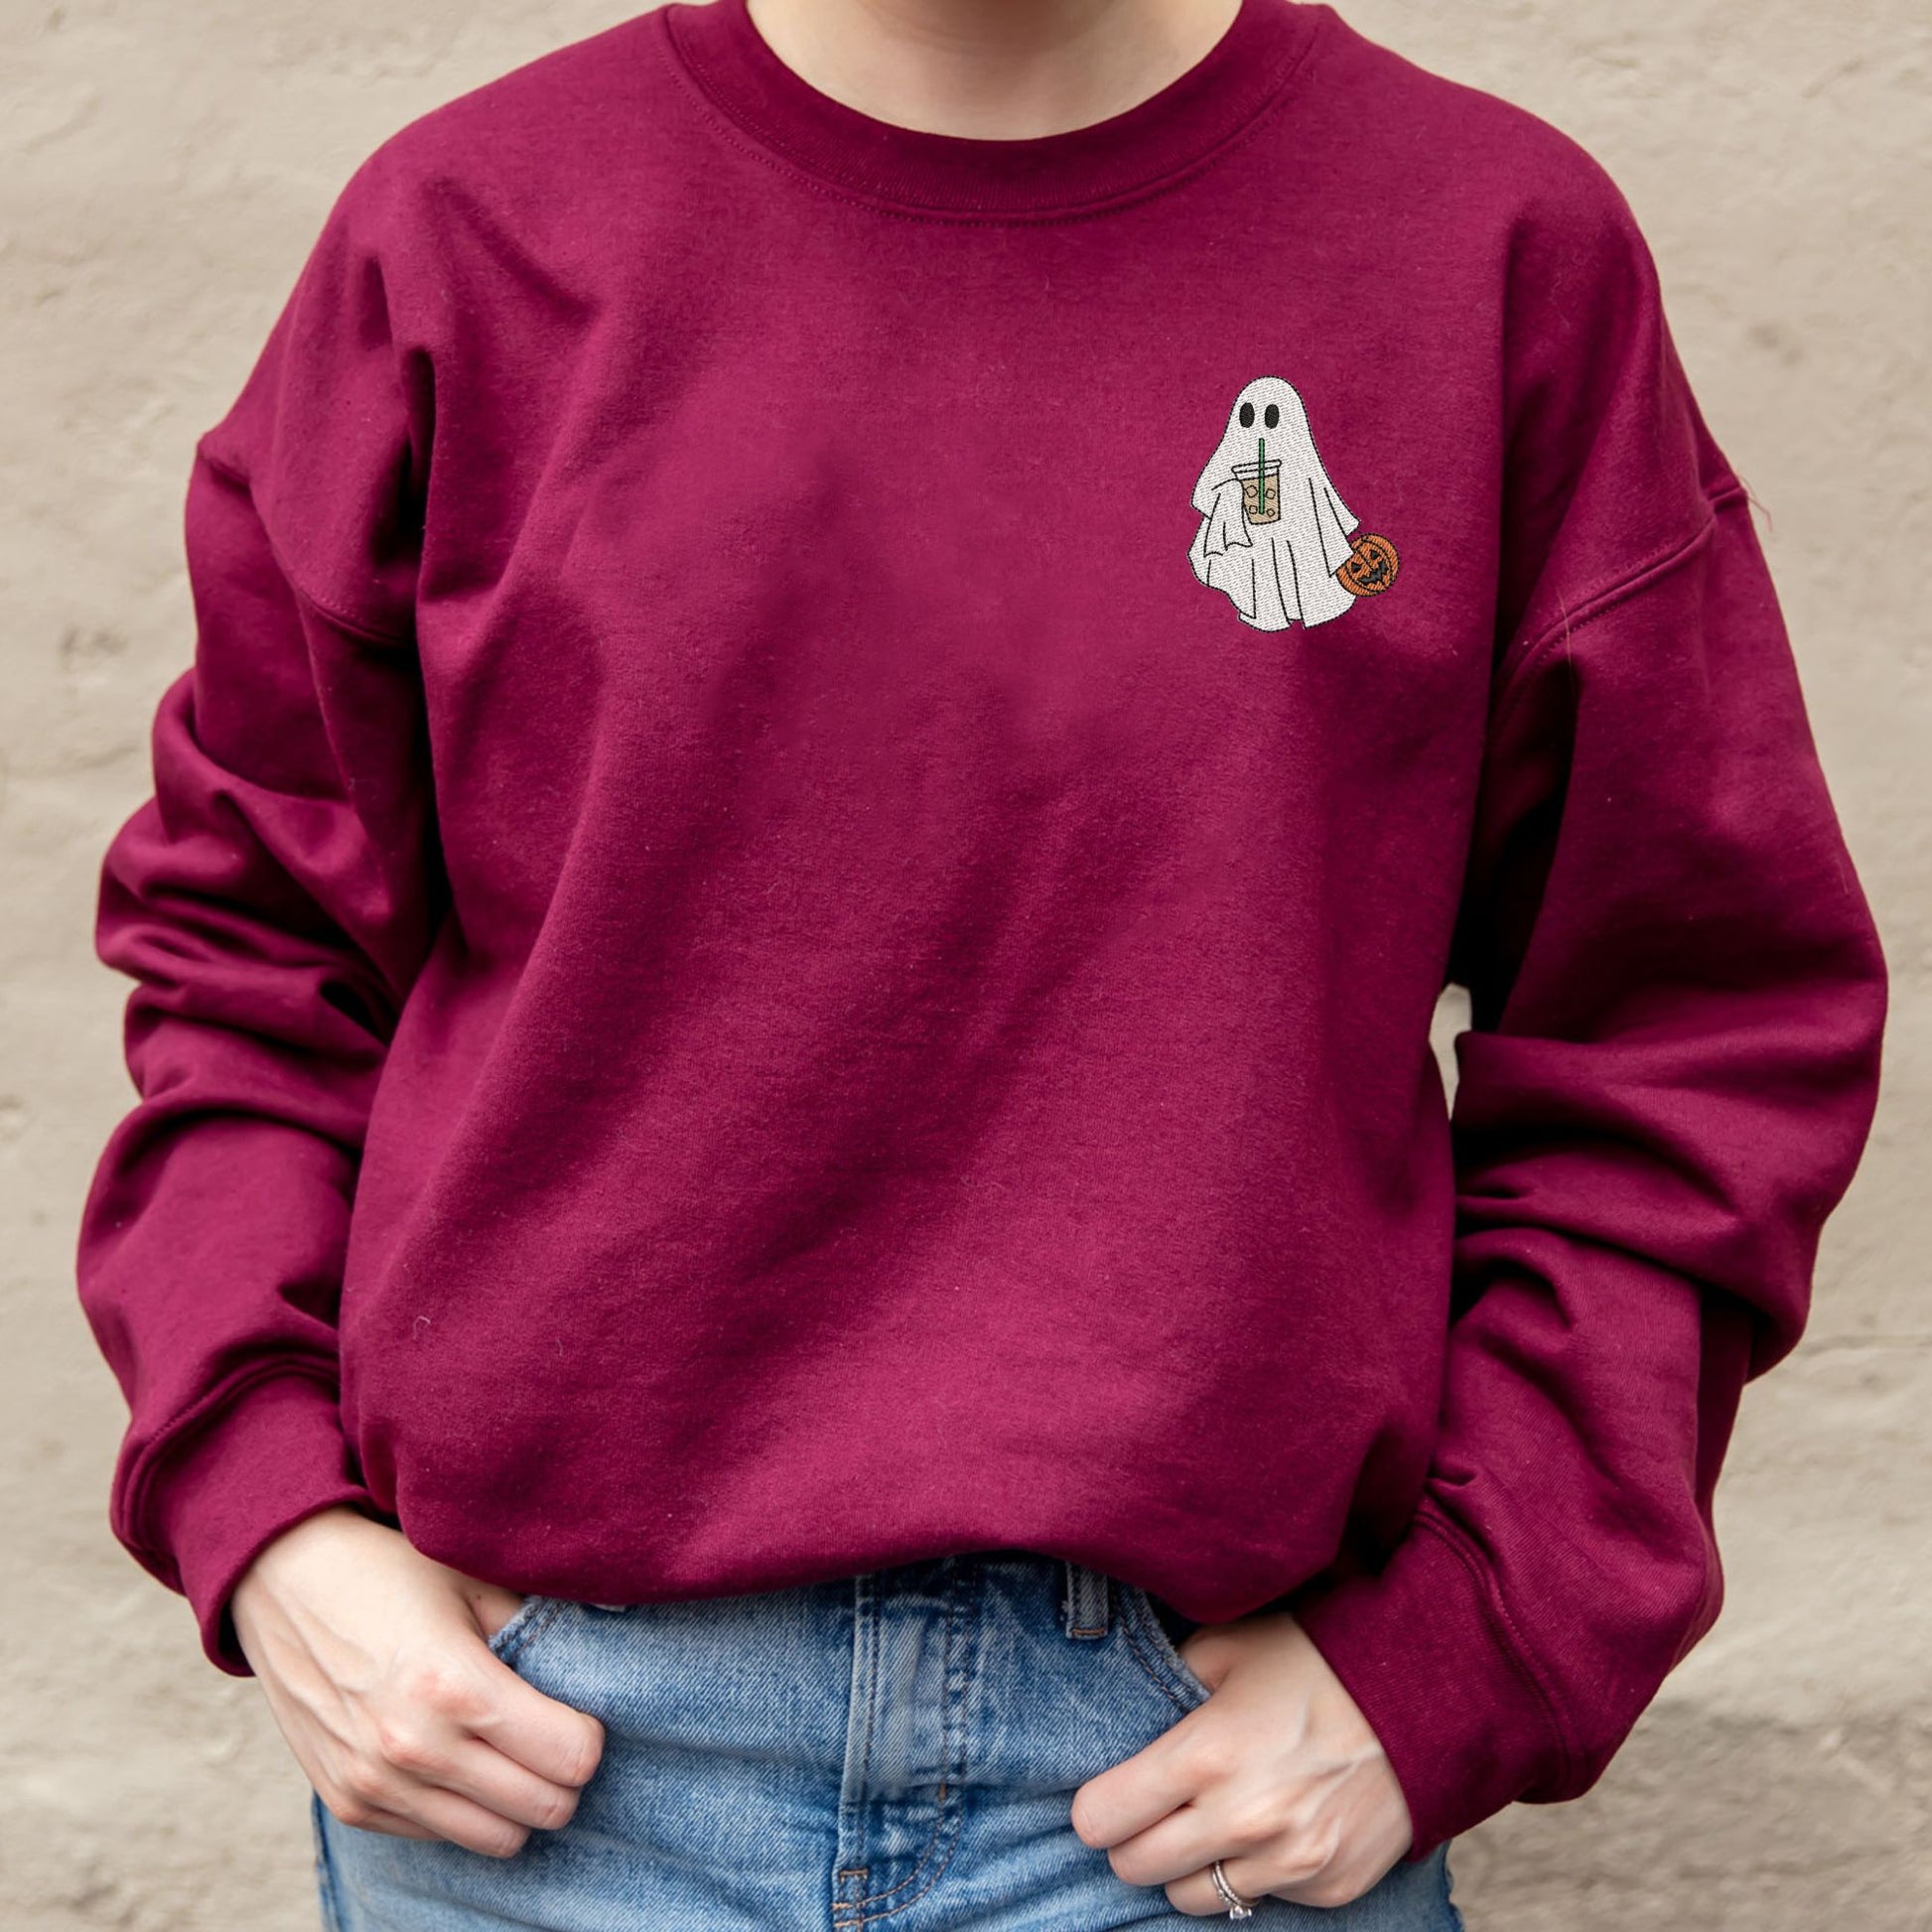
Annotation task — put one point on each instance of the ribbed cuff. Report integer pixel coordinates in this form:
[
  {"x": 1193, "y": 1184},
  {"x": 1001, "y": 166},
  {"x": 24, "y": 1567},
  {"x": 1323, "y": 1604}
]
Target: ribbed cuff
[
  {"x": 1422, "y": 1648},
  {"x": 273, "y": 1456}
]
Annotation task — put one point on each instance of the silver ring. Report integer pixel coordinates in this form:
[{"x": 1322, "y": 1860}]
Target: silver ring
[{"x": 1238, "y": 1907}]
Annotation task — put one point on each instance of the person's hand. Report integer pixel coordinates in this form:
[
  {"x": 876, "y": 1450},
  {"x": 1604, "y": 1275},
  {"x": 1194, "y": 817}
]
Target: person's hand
[
  {"x": 375, "y": 1662},
  {"x": 1277, "y": 1775}
]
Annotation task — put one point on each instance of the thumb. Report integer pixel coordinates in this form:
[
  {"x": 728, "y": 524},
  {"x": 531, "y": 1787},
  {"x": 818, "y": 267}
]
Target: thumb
[{"x": 490, "y": 1607}]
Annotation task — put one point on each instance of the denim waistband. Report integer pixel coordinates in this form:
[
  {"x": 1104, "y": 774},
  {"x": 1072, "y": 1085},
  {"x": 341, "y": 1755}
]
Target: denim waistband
[{"x": 894, "y": 1750}]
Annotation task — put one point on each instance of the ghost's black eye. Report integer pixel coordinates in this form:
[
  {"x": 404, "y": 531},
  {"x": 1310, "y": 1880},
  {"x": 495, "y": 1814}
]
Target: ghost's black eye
[
  {"x": 1272, "y": 416},
  {"x": 1247, "y": 415}
]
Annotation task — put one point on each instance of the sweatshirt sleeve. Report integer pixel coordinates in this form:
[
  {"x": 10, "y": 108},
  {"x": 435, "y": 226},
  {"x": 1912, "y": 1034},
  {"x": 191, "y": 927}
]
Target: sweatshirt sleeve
[
  {"x": 272, "y": 902},
  {"x": 1677, "y": 997}
]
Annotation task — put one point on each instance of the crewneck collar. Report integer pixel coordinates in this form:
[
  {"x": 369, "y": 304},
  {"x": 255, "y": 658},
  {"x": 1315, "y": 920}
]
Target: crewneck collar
[{"x": 1167, "y": 135}]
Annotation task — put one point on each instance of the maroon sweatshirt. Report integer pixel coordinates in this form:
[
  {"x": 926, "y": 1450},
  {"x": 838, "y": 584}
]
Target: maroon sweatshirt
[{"x": 791, "y": 913}]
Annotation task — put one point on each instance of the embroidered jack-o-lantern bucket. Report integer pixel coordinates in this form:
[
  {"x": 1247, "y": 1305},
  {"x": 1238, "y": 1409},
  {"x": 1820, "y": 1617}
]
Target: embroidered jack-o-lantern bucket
[{"x": 1369, "y": 566}]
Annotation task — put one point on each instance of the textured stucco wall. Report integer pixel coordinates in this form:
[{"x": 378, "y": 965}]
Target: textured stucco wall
[{"x": 166, "y": 168}]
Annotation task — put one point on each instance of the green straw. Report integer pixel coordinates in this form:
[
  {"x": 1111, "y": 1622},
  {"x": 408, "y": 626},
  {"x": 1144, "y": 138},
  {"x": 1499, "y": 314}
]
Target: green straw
[{"x": 1261, "y": 475}]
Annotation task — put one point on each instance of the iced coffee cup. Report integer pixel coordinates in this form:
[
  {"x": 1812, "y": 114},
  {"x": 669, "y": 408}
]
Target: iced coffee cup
[{"x": 1261, "y": 490}]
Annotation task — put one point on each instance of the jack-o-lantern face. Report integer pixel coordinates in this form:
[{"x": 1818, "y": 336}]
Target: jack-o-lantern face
[{"x": 1369, "y": 566}]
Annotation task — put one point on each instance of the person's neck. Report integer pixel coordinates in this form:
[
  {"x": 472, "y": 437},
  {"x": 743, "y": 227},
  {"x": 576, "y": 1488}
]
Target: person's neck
[{"x": 991, "y": 69}]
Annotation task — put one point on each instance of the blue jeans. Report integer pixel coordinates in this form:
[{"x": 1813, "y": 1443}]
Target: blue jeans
[{"x": 901, "y": 1745}]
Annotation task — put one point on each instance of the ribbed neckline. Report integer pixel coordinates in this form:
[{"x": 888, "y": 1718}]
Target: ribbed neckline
[{"x": 720, "y": 48}]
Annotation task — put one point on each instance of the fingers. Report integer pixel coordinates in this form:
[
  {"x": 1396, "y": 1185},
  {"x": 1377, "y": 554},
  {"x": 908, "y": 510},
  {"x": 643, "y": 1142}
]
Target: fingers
[
  {"x": 1140, "y": 1791},
  {"x": 419, "y": 1749},
  {"x": 552, "y": 1739},
  {"x": 1258, "y": 1859},
  {"x": 1277, "y": 1775},
  {"x": 1325, "y": 1886},
  {"x": 370, "y": 1818},
  {"x": 458, "y": 1747},
  {"x": 1267, "y": 1845},
  {"x": 1185, "y": 1841},
  {"x": 427, "y": 1812}
]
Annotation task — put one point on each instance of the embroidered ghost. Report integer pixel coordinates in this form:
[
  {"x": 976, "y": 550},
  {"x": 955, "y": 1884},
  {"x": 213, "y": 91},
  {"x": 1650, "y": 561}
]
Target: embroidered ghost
[{"x": 1273, "y": 531}]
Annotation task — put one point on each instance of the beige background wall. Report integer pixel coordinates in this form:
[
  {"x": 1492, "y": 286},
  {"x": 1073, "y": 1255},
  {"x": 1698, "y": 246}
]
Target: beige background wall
[{"x": 165, "y": 171}]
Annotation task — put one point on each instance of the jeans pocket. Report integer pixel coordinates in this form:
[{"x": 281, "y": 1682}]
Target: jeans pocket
[
  {"x": 530, "y": 1616},
  {"x": 1156, "y": 1652}
]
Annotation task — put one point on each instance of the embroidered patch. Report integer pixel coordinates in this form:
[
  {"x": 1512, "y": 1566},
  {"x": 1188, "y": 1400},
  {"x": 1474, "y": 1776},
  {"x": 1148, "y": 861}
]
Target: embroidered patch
[
  {"x": 1370, "y": 567},
  {"x": 1275, "y": 538}
]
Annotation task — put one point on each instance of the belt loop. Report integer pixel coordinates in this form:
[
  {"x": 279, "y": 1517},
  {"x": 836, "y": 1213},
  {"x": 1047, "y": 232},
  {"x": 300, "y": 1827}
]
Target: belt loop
[{"x": 1084, "y": 1605}]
